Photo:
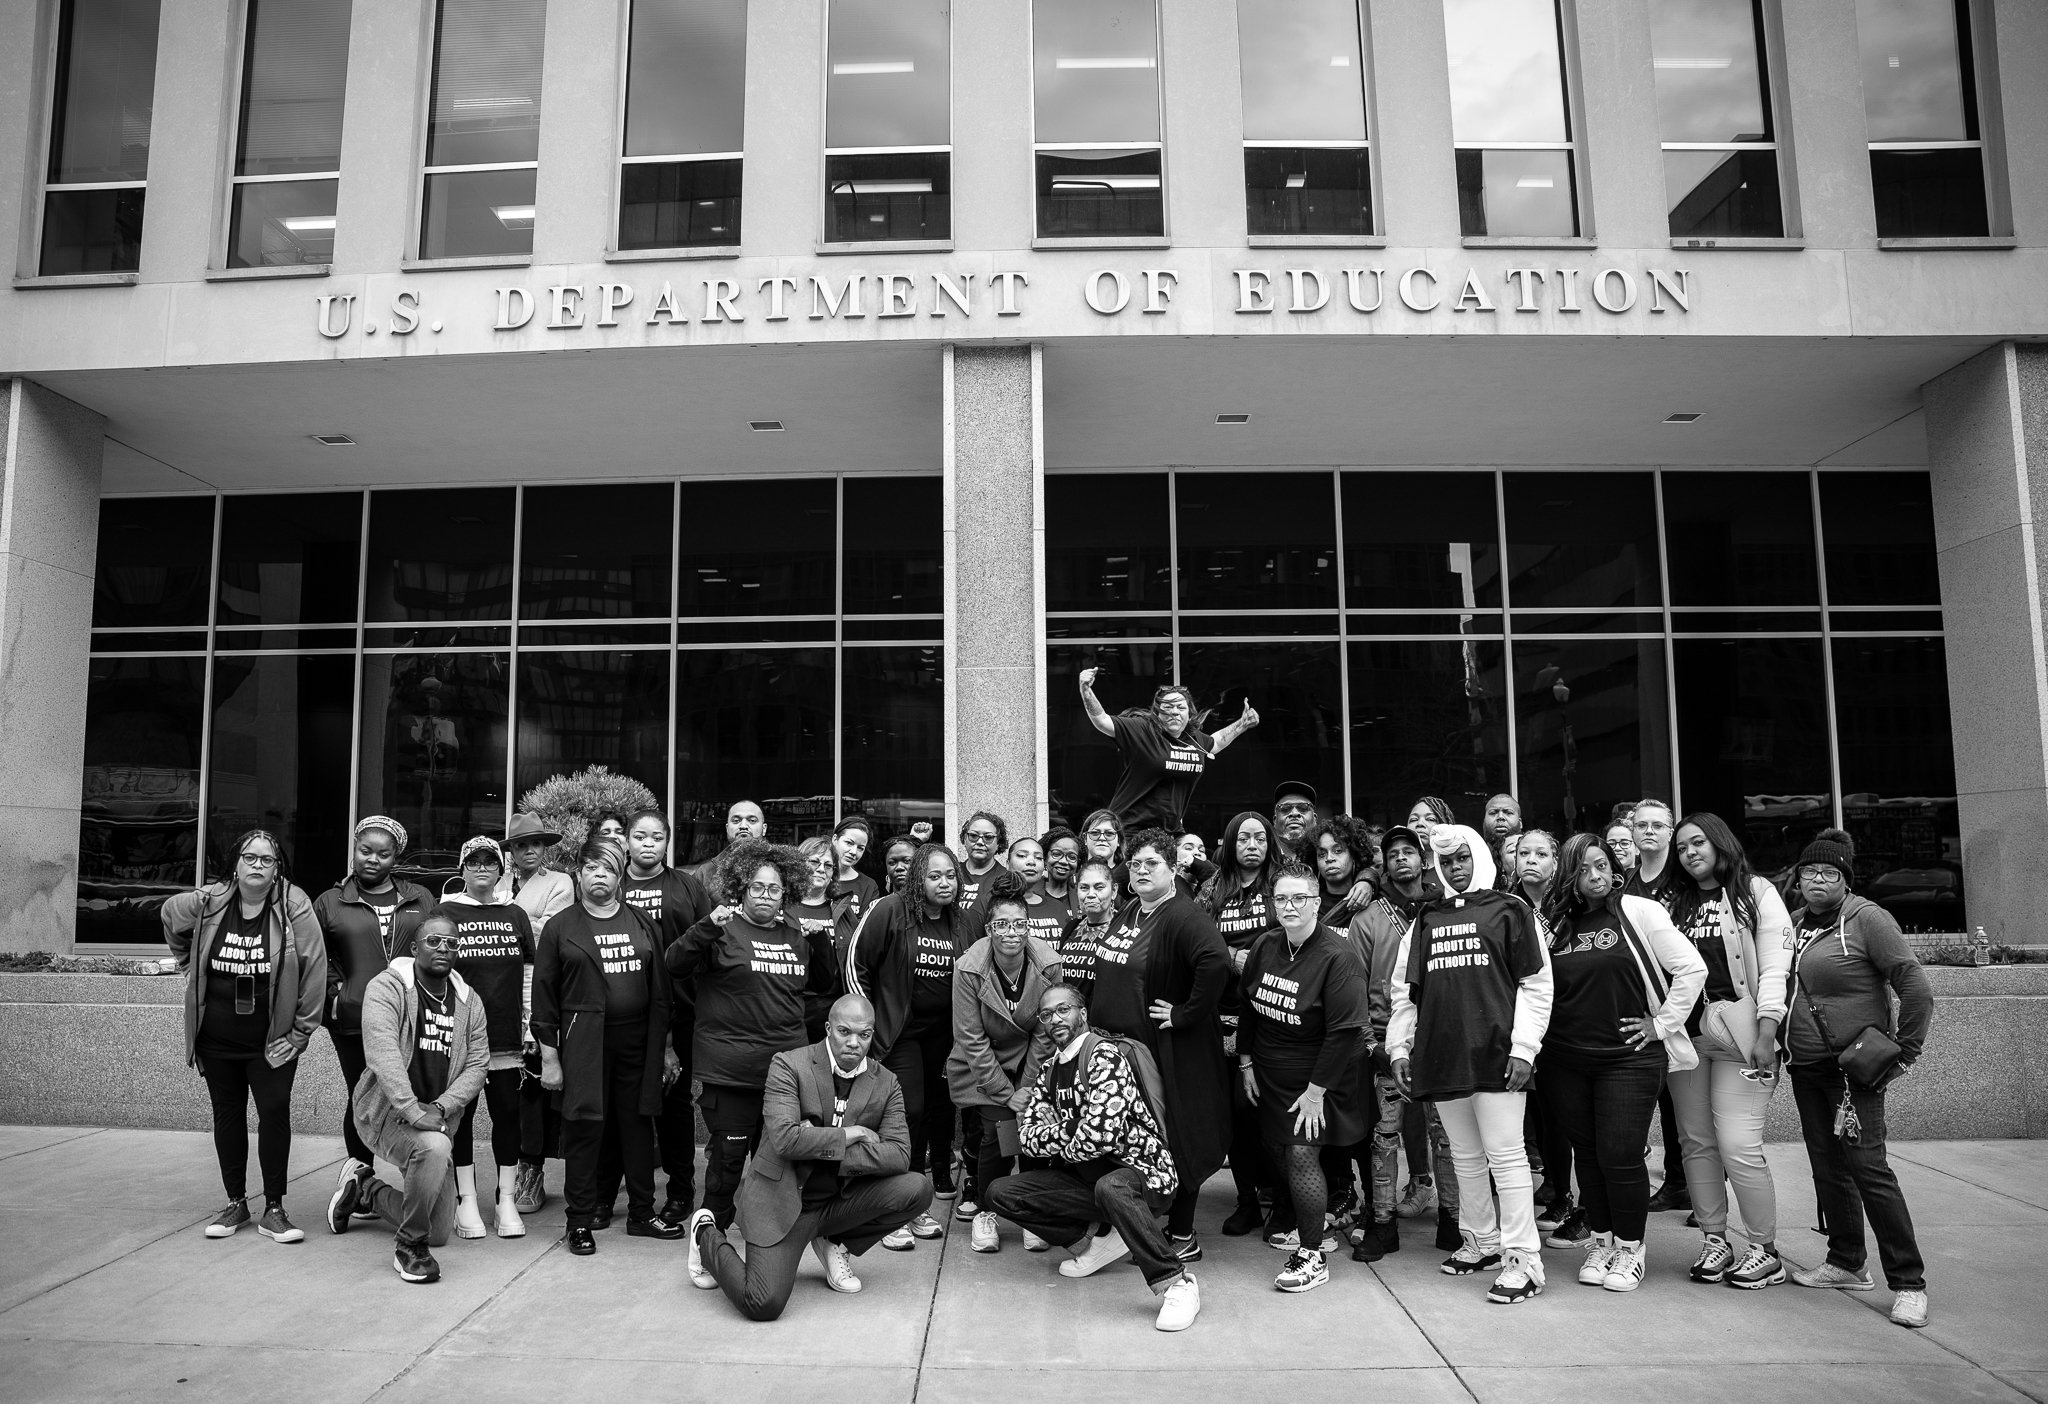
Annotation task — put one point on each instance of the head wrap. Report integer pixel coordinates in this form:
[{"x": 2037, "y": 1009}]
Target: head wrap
[
  {"x": 1449, "y": 838},
  {"x": 387, "y": 824},
  {"x": 482, "y": 843}
]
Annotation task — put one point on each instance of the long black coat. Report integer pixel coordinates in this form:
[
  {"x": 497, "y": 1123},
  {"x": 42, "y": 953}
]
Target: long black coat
[{"x": 569, "y": 1004}]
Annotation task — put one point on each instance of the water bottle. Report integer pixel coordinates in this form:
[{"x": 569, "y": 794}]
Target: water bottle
[{"x": 1980, "y": 947}]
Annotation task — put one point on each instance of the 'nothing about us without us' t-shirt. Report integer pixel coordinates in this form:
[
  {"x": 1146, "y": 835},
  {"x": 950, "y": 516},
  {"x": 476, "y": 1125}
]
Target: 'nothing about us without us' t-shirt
[{"x": 1466, "y": 962}]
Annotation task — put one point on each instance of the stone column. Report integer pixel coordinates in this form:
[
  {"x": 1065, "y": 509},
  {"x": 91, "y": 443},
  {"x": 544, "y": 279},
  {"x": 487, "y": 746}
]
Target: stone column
[
  {"x": 49, "y": 532},
  {"x": 1987, "y": 444},
  {"x": 995, "y": 586}
]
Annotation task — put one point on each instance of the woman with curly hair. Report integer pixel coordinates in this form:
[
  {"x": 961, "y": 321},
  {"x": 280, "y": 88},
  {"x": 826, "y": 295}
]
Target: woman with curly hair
[
  {"x": 1344, "y": 856},
  {"x": 754, "y": 971},
  {"x": 901, "y": 961}
]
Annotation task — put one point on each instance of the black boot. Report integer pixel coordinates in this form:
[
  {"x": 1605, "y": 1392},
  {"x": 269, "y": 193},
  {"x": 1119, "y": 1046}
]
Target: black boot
[
  {"x": 1672, "y": 1194},
  {"x": 1448, "y": 1239},
  {"x": 1243, "y": 1219},
  {"x": 1376, "y": 1240}
]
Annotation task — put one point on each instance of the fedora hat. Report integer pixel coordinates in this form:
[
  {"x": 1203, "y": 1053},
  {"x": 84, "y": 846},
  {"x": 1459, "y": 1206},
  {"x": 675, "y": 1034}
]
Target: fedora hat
[{"x": 529, "y": 826}]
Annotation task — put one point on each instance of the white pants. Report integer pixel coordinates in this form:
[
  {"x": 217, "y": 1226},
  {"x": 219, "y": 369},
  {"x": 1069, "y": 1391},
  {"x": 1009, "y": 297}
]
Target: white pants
[
  {"x": 1721, "y": 1131},
  {"x": 1485, "y": 1132}
]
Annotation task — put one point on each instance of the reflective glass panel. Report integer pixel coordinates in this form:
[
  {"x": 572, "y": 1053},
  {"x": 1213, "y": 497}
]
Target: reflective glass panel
[
  {"x": 1724, "y": 194},
  {"x": 478, "y": 214},
  {"x": 1740, "y": 539},
  {"x": 597, "y": 552},
  {"x": 486, "y": 99},
  {"x": 1302, "y": 70},
  {"x": 1914, "y": 86},
  {"x": 1088, "y": 193},
  {"x": 1296, "y": 690},
  {"x": 1504, "y": 193},
  {"x": 294, "y": 70},
  {"x": 603, "y": 708},
  {"x": 282, "y": 223},
  {"x": 1878, "y": 529},
  {"x": 893, "y": 740},
  {"x": 1710, "y": 83},
  {"x": 686, "y": 77},
  {"x": 280, "y": 761},
  {"x": 433, "y": 752},
  {"x": 1421, "y": 541},
  {"x": 1593, "y": 726},
  {"x": 105, "y": 90},
  {"x": 759, "y": 547},
  {"x": 893, "y": 545},
  {"x": 888, "y": 74},
  {"x": 1095, "y": 65},
  {"x": 1582, "y": 539},
  {"x": 1507, "y": 77},
  {"x": 1307, "y": 190},
  {"x": 893, "y": 195},
  {"x": 1935, "y": 194},
  {"x": 1899, "y": 779},
  {"x": 1082, "y": 763},
  {"x": 1257, "y": 541},
  {"x": 290, "y": 558},
  {"x": 154, "y": 557},
  {"x": 441, "y": 554},
  {"x": 1426, "y": 719},
  {"x": 139, "y": 822},
  {"x": 92, "y": 231},
  {"x": 750, "y": 724},
  {"x": 677, "y": 204},
  {"x": 1753, "y": 742},
  {"x": 1106, "y": 541}
]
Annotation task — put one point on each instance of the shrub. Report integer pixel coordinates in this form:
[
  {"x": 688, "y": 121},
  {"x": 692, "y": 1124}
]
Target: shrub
[{"x": 572, "y": 803}]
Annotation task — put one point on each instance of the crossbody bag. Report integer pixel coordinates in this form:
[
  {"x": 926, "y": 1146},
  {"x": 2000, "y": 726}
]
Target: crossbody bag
[{"x": 1868, "y": 1060}]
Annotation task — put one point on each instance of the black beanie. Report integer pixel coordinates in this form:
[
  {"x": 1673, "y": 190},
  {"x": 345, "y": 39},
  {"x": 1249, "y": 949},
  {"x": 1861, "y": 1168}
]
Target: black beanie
[{"x": 1839, "y": 856}]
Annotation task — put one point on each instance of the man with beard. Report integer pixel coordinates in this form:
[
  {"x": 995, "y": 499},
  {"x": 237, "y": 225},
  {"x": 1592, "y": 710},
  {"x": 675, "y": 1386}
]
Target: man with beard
[{"x": 743, "y": 820}]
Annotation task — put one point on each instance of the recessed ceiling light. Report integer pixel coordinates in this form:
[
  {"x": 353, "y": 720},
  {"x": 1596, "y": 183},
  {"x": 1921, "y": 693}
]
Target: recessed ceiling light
[
  {"x": 1233, "y": 419},
  {"x": 333, "y": 440},
  {"x": 1682, "y": 417},
  {"x": 765, "y": 426}
]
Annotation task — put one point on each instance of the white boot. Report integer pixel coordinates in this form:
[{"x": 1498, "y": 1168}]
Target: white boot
[
  {"x": 467, "y": 1222},
  {"x": 510, "y": 1225}
]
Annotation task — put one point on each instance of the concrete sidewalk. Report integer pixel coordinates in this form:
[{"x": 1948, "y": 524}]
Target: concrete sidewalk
[{"x": 109, "y": 1290}]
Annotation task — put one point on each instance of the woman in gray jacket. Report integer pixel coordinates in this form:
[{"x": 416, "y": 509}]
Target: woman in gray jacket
[
  {"x": 998, "y": 1043},
  {"x": 255, "y": 968}
]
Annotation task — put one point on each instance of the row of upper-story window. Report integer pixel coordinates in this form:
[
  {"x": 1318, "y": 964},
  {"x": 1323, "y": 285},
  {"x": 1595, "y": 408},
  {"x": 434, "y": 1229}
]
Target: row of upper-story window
[{"x": 1098, "y": 148}]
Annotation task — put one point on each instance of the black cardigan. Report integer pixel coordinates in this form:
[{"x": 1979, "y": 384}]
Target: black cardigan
[{"x": 569, "y": 1005}]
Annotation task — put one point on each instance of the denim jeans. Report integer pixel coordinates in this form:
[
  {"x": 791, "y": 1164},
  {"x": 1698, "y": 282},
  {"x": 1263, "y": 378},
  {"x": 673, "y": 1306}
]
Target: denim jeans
[
  {"x": 1060, "y": 1203},
  {"x": 1853, "y": 1181},
  {"x": 423, "y": 1212},
  {"x": 1427, "y": 1149},
  {"x": 1605, "y": 1109}
]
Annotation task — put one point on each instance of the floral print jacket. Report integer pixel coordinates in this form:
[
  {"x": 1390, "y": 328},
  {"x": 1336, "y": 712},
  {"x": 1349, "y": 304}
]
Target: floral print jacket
[{"x": 1104, "y": 1113}]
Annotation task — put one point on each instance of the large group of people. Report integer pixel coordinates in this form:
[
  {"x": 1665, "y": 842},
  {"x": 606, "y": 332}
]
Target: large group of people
[{"x": 1068, "y": 1034}]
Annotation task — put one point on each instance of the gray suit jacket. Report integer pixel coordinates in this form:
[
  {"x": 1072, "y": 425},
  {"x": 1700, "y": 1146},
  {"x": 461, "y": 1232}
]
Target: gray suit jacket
[{"x": 797, "y": 1135}]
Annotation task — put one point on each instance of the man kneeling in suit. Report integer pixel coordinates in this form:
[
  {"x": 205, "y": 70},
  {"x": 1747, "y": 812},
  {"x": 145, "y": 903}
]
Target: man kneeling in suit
[{"x": 833, "y": 1171}]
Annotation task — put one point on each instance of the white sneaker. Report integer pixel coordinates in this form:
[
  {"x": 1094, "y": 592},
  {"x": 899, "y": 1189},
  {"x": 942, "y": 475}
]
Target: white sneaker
[
  {"x": 1033, "y": 1243},
  {"x": 984, "y": 1238},
  {"x": 966, "y": 1209},
  {"x": 838, "y": 1265},
  {"x": 699, "y": 1277},
  {"x": 1626, "y": 1268},
  {"x": 1098, "y": 1254},
  {"x": 1182, "y": 1304},
  {"x": 1599, "y": 1255},
  {"x": 1521, "y": 1277},
  {"x": 1909, "y": 1308},
  {"x": 925, "y": 1226},
  {"x": 900, "y": 1240},
  {"x": 468, "y": 1223}
]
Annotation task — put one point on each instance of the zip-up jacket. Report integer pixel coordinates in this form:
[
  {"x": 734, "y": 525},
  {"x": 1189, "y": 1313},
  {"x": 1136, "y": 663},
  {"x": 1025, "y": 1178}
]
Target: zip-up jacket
[
  {"x": 298, "y": 958},
  {"x": 1851, "y": 966},
  {"x": 879, "y": 960},
  {"x": 356, "y": 950},
  {"x": 391, "y": 1017},
  {"x": 569, "y": 1005},
  {"x": 997, "y": 1049}
]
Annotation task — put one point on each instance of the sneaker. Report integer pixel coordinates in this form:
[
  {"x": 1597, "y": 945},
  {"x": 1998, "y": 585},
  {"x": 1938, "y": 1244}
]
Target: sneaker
[
  {"x": 1760, "y": 1267},
  {"x": 229, "y": 1219},
  {"x": 1828, "y": 1275},
  {"x": 984, "y": 1238},
  {"x": 414, "y": 1263},
  {"x": 1571, "y": 1231},
  {"x": 654, "y": 1226},
  {"x": 1599, "y": 1257},
  {"x": 925, "y": 1226},
  {"x": 947, "y": 1193},
  {"x": 964, "y": 1211},
  {"x": 1303, "y": 1272},
  {"x": 1345, "y": 1212},
  {"x": 1375, "y": 1240},
  {"x": 468, "y": 1223},
  {"x": 1186, "y": 1249},
  {"x": 1290, "y": 1241},
  {"x": 1626, "y": 1268},
  {"x": 1418, "y": 1201},
  {"x": 353, "y": 1169},
  {"x": 899, "y": 1240},
  {"x": 277, "y": 1228},
  {"x": 1099, "y": 1253},
  {"x": 838, "y": 1265},
  {"x": 1670, "y": 1195},
  {"x": 1549, "y": 1216},
  {"x": 700, "y": 1276},
  {"x": 1033, "y": 1243},
  {"x": 529, "y": 1190},
  {"x": 1243, "y": 1219},
  {"x": 1180, "y": 1306},
  {"x": 1448, "y": 1237},
  {"x": 1909, "y": 1308},
  {"x": 342, "y": 1204},
  {"x": 1468, "y": 1260},
  {"x": 1715, "y": 1258},
  {"x": 1520, "y": 1279},
  {"x": 580, "y": 1240}
]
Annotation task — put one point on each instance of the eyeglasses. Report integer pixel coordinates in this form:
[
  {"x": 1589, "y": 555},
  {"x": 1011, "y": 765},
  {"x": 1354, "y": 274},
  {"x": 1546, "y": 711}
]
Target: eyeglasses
[
  {"x": 764, "y": 889},
  {"x": 975, "y": 836},
  {"x": 1294, "y": 809},
  {"x": 1008, "y": 926},
  {"x": 1102, "y": 833},
  {"x": 1820, "y": 872},
  {"x": 259, "y": 860},
  {"x": 1145, "y": 865},
  {"x": 1651, "y": 826},
  {"x": 437, "y": 943},
  {"x": 480, "y": 863},
  {"x": 1059, "y": 1009},
  {"x": 1302, "y": 901}
]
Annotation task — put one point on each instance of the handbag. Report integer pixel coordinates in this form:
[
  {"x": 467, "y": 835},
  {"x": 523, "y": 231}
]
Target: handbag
[
  {"x": 1870, "y": 1056},
  {"x": 1727, "y": 1026}
]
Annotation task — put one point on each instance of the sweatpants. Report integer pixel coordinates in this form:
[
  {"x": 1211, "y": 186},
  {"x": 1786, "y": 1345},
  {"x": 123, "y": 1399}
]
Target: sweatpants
[
  {"x": 348, "y": 1051},
  {"x": 1604, "y": 1109},
  {"x": 733, "y": 1117},
  {"x": 583, "y": 1142},
  {"x": 423, "y": 1211},
  {"x": 231, "y": 1084},
  {"x": 1485, "y": 1132},
  {"x": 858, "y": 1217},
  {"x": 919, "y": 1062},
  {"x": 1063, "y": 1202},
  {"x": 1721, "y": 1127},
  {"x": 501, "y": 1098}
]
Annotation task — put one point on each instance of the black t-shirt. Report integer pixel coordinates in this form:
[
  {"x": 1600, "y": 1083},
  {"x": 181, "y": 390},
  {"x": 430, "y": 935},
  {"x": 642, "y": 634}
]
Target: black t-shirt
[
  {"x": 1466, "y": 960},
  {"x": 1159, "y": 773},
  {"x": 1118, "y": 1002},
  {"x": 1241, "y": 922},
  {"x": 433, "y": 1039},
  {"x": 1046, "y": 916},
  {"x": 1076, "y": 946},
  {"x": 1596, "y": 985},
  {"x": 1702, "y": 927},
  {"x": 1658, "y": 891},
  {"x": 860, "y": 892},
  {"x": 385, "y": 905},
  {"x": 932, "y": 953},
  {"x": 625, "y": 953},
  {"x": 971, "y": 885},
  {"x": 237, "y": 969},
  {"x": 750, "y": 997},
  {"x": 1293, "y": 999},
  {"x": 672, "y": 899},
  {"x": 496, "y": 947}
]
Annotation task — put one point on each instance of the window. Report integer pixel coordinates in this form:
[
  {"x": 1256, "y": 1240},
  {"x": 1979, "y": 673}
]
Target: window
[
  {"x": 1097, "y": 151},
  {"x": 1510, "y": 118},
  {"x": 483, "y": 129},
  {"x": 686, "y": 91},
  {"x": 1307, "y": 166},
  {"x": 1714, "y": 108},
  {"x": 1920, "y": 105},
  {"x": 889, "y": 121},
  {"x": 99, "y": 137},
  {"x": 288, "y": 144}
]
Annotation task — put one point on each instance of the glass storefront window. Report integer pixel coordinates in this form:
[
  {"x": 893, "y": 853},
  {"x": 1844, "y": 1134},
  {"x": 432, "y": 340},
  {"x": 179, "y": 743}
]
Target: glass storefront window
[
  {"x": 1296, "y": 689},
  {"x": 891, "y": 546},
  {"x": 686, "y": 75},
  {"x": 279, "y": 761},
  {"x": 598, "y": 708},
  {"x": 1261, "y": 541},
  {"x": 1740, "y": 539},
  {"x": 597, "y": 552},
  {"x": 155, "y": 554},
  {"x": 1426, "y": 719},
  {"x": 433, "y": 752},
  {"x": 1421, "y": 541},
  {"x": 1510, "y": 118},
  {"x": 1593, "y": 728},
  {"x": 750, "y": 724},
  {"x": 1920, "y": 107},
  {"x": 1879, "y": 533},
  {"x": 1095, "y": 118},
  {"x": 440, "y": 554},
  {"x": 1111, "y": 549},
  {"x": 1899, "y": 779},
  {"x": 888, "y": 121},
  {"x": 893, "y": 737},
  {"x": 1714, "y": 105},
  {"x": 138, "y": 836},
  {"x": 483, "y": 129},
  {"x": 1753, "y": 742},
  {"x": 758, "y": 547},
  {"x": 1308, "y": 166},
  {"x": 288, "y": 144},
  {"x": 1081, "y": 764},
  {"x": 290, "y": 558},
  {"x": 1579, "y": 540},
  {"x": 100, "y": 110}
]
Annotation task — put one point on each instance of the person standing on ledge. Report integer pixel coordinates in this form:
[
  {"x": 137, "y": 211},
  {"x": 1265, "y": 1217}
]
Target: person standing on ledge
[{"x": 1163, "y": 751}]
